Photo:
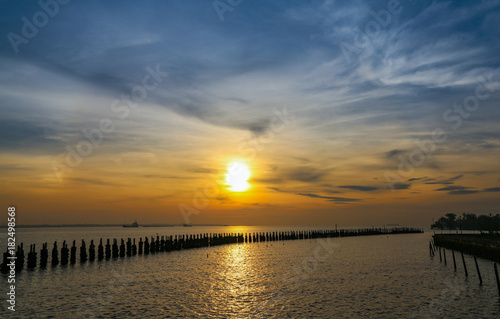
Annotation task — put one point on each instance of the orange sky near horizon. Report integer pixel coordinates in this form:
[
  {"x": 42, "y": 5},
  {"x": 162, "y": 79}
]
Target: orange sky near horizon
[{"x": 150, "y": 188}]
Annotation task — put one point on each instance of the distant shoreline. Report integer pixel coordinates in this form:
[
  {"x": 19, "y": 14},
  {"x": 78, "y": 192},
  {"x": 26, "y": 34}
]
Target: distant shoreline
[{"x": 109, "y": 225}]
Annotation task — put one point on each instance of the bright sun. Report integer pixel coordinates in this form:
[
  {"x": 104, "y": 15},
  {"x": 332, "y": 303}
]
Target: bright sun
[{"x": 237, "y": 176}]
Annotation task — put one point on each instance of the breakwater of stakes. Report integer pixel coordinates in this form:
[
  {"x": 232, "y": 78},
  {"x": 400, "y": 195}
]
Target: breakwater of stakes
[
  {"x": 112, "y": 249},
  {"x": 483, "y": 246}
]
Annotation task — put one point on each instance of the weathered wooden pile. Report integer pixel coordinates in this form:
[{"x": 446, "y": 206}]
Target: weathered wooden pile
[{"x": 484, "y": 246}]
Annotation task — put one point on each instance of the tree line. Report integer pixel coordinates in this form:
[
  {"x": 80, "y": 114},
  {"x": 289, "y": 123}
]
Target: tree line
[{"x": 468, "y": 221}]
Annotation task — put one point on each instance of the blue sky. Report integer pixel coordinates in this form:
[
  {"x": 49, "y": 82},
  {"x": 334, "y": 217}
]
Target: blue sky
[{"x": 354, "y": 115}]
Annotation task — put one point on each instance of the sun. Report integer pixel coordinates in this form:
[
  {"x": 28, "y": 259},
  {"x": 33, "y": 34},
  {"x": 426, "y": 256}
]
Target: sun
[{"x": 237, "y": 176}]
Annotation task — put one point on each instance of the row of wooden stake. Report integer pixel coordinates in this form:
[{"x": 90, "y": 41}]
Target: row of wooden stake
[
  {"x": 432, "y": 251},
  {"x": 109, "y": 251}
]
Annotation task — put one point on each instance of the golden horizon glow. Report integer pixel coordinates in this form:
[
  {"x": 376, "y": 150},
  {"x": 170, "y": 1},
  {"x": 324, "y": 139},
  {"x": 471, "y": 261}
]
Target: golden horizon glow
[{"x": 237, "y": 176}]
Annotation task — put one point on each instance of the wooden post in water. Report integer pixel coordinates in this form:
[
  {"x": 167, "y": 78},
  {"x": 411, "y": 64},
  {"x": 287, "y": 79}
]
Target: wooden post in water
[
  {"x": 92, "y": 251},
  {"x": 4, "y": 268},
  {"x": 129, "y": 247},
  {"x": 465, "y": 266},
  {"x": 72, "y": 258},
  {"x": 64, "y": 254},
  {"x": 152, "y": 245},
  {"x": 444, "y": 256},
  {"x": 478, "y": 272},
  {"x": 122, "y": 248},
  {"x": 55, "y": 258},
  {"x": 20, "y": 257},
  {"x": 114, "y": 251},
  {"x": 83, "y": 252},
  {"x": 44, "y": 256},
  {"x": 440, "y": 259},
  {"x": 496, "y": 275},
  {"x": 454, "y": 263},
  {"x": 108, "y": 249},
  {"x": 32, "y": 257},
  {"x": 146, "y": 246}
]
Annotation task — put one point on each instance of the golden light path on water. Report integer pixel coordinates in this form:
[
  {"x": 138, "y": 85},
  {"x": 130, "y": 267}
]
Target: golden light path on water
[
  {"x": 236, "y": 281},
  {"x": 237, "y": 285}
]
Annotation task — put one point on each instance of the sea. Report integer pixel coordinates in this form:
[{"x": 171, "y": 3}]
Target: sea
[{"x": 382, "y": 276}]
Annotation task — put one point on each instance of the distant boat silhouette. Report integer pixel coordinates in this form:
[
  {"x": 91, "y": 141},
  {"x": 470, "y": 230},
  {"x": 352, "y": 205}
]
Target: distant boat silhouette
[
  {"x": 134, "y": 224},
  {"x": 187, "y": 225}
]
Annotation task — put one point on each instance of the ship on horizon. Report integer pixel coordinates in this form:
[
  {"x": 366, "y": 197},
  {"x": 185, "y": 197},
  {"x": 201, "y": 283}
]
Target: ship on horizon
[{"x": 134, "y": 224}]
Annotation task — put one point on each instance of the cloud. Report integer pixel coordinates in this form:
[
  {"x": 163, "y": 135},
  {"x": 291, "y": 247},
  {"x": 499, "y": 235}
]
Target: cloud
[
  {"x": 393, "y": 153},
  {"x": 331, "y": 191},
  {"x": 458, "y": 190},
  {"x": 270, "y": 180},
  {"x": 463, "y": 192},
  {"x": 266, "y": 205},
  {"x": 451, "y": 188},
  {"x": 90, "y": 181},
  {"x": 417, "y": 179},
  {"x": 14, "y": 167},
  {"x": 305, "y": 174},
  {"x": 331, "y": 198},
  {"x": 360, "y": 188},
  {"x": 448, "y": 181},
  {"x": 277, "y": 189},
  {"x": 201, "y": 170},
  {"x": 397, "y": 157},
  {"x": 163, "y": 176},
  {"x": 26, "y": 134},
  {"x": 492, "y": 189},
  {"x": 258, "y": 127},
  {"x": 401, "y": 186},
  {"x": 456, "y": 178}
]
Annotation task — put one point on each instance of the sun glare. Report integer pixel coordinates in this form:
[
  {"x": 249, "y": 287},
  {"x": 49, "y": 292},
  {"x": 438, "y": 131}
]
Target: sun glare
[{"x": 237, "y": 176}]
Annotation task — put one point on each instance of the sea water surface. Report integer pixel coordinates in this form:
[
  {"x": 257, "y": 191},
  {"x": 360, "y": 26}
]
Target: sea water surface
[{"x": 353, "y": 277}]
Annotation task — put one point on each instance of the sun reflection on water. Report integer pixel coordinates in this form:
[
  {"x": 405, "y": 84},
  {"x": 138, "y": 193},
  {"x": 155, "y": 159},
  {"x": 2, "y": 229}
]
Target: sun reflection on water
[{"x": 235, "y": 286}]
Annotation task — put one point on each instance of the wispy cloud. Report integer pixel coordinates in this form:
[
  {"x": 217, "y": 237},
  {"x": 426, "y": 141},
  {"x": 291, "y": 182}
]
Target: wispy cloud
[
  {"x": 447, "y": 181},
  {"x": 332, "y": 198},
  {"x": 401, "y": 186},
  {"x": 305, "y": 174},
  {"x": 458, "y": 190},
  {"x": 360, "y": 188}
]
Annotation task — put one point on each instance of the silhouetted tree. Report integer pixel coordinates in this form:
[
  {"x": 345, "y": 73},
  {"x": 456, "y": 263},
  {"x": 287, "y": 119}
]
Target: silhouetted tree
[
  {"x": 468, "y": 221},
  {"x": 440, "y": 224},
  {"x": 451, "y": 220}
]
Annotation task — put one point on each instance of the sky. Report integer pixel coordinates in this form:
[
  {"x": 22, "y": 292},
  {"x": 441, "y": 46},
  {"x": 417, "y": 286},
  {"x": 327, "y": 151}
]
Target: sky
[{"x": 356, "y": 113}]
